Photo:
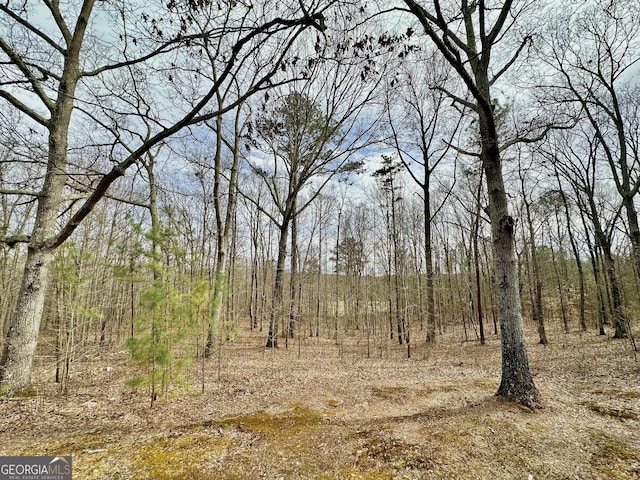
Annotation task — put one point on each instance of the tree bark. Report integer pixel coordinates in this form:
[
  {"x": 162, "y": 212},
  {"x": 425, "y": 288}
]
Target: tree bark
[
  {"x": 517, "y": 382},
  {"x": 22, "y": 337},
  {"x": 276, "y": 301}
]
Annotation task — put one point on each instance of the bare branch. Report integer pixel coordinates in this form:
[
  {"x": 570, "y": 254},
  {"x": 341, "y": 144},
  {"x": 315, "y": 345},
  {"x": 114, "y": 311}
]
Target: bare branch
[
  {"x": 191, "y": 118},
  {"x": 32, "y": 28},
  {"x": 537, "y": 138},
  {"x": 12, "y": 240},
  {"x": 55, "y": 11},
  {"x": 456, "y": 98},
  {"x": 4, "y": 191},
  {"x": 495, "y": 31},
  {"x": 24, "y": 108},
  {"x": 35, "y": 82},
  {"x": 508, "y": 65},
  {"x": 462, "y": 150}
]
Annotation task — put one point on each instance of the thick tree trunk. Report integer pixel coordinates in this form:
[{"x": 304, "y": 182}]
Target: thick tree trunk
[
  {"x": 22, "y": 337},
  {"x": 619, "y": 320},
  {"x": 517, "y": 382}
]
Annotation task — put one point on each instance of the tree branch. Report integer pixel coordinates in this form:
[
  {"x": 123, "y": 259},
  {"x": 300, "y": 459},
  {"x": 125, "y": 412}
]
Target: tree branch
[
  {"x": 24, "y": 108},
  {"x": 30, "y": 193},
  {"x": 462, "y": 150},
  {"x": 455, "y": 98},
  {"x": 4, "y": 8},
  {"x": 508, "y": 65},
  {"x": 493, "y": 34},
  {"x": 191, "y": 118},
  {"x": 12, "y": 240},
  {"x": 35, "y": 83},
  {"x": 537, "y": 138}
]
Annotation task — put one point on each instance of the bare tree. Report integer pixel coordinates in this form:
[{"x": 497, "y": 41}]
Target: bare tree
[
  {"x": 575, "y": 157},
  {"x": 391, "y": 187},
  {"x": 466, "y": 36},
  {"x": 304, "y": 143},
  {"x": 593, "y": 49},
  {"x": 527, "y": 190},
  {"x": 62, "y": 74},
  {"x": 423, "y": 127}
]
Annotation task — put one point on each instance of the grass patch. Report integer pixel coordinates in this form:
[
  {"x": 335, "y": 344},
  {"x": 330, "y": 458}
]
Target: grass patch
[
  {"x": 186, "y": 456},
  {"x": 288, "y": 423},
  {"x": 71, "y": 445},
  {"x": 391, "y": 392}
]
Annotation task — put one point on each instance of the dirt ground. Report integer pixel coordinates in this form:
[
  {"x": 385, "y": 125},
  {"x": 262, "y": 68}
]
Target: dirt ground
[{"x": 321, "y": 410}]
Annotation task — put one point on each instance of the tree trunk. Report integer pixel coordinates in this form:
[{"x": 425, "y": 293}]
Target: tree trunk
[
  {"x": 576, "y": 255},
  {"x": 293, "y": 286},
  {"x": 22, "y": 337},
  {"x": 428, "y": 250},
  {"x": 516, "y": 383},
  {"x": 603, "y": 242},
  {"x": 560, "y": 282},
  {"x": 319, "y": 280},
  {"x": 276, "y": 301},
  {"x": 538, "y": 314},
  {"x": 254, "y": 297},
  {"x": 476, "y": 260},
  {"x": 634, "y": 230},
  {"x": 224, "y": 220},
  {"x": 619, "y": 320}
]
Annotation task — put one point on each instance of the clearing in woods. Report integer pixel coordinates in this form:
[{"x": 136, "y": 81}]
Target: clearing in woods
[{"x": 327, "y": 411}]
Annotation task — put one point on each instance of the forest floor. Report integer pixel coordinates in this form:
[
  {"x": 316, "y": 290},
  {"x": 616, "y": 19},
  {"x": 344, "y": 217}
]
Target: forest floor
[{"x": 321, "y": 410}]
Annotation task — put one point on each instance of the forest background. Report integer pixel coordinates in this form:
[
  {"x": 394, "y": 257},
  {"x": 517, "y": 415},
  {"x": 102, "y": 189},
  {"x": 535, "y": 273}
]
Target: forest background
[
  {"x": 172, "y": 174},
  {"x": 389, "y": 197}
]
